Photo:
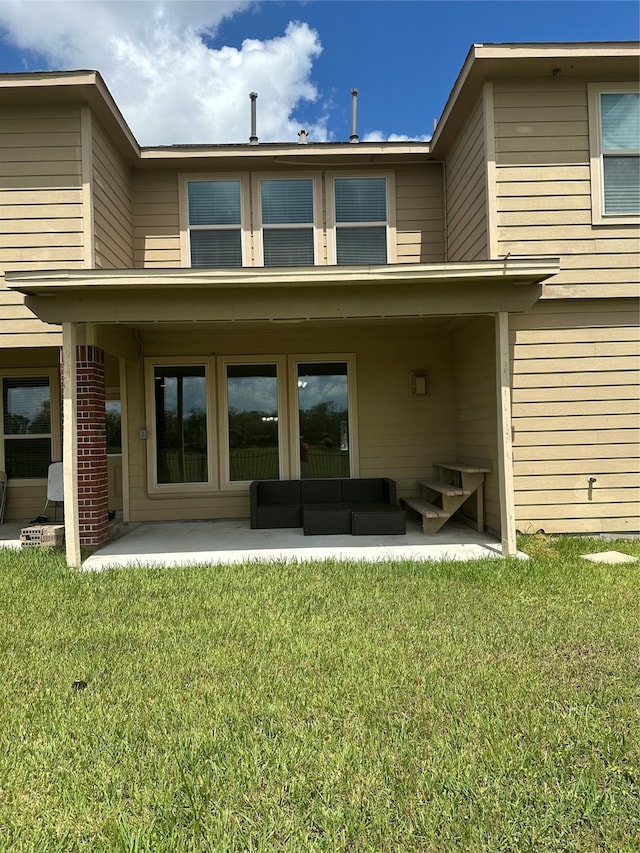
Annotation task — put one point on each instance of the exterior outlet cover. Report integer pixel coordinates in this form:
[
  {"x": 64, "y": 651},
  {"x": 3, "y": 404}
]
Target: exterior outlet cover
[{"x": 419, "y": 383}]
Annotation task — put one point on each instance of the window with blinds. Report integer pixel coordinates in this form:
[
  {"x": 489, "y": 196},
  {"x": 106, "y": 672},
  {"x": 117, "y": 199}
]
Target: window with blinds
[
  {"x": 361, "y": 220},
  {"x": 26, "y": 426},
  {"x": 620, "y": 128},
  {"x": 287, "y": 212},
  {"x": 215, "y": 223}
]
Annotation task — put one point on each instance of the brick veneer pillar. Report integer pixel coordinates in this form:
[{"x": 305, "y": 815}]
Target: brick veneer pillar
[{"x": 93, "y": 497}]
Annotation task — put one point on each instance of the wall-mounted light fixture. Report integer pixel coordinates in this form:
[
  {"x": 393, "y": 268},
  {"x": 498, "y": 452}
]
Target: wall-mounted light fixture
[{"x": 419, "y": 383}]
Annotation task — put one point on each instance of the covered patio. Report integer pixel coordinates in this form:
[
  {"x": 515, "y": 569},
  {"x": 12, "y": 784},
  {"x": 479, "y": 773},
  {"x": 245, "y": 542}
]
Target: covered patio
[{"x": 225, "y": 541}]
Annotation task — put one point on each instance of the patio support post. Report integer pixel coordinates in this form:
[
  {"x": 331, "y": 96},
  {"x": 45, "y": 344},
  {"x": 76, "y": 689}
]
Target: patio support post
[
  {"x": 93, "y": 491},
  {"x": 70, "y": 445},
  {"x": 505, "y": 446}
]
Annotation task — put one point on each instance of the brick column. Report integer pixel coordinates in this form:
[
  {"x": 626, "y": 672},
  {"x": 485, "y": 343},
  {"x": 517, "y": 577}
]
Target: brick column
[{"x": 93, "y": 506}]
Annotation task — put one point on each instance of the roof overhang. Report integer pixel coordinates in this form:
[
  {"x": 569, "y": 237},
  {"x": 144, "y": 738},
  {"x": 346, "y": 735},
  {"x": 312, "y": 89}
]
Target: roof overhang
[
  {"x": 596, "y": 61},
  {"x": 273, "y": 295}
]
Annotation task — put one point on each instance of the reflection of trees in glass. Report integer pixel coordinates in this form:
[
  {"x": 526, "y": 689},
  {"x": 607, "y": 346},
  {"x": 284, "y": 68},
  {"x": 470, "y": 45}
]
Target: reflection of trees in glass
[
  {"x": 38, "y": 424},
  {"x": 114, "y": 428},
  {"x": 320, "y": 425},
  {"x": 249, "y": 429}
]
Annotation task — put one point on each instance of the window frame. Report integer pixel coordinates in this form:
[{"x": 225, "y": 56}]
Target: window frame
[
  {"x": 55, "y": 435},
  {"x": 245, "y": 215},
  {"x": 597, "y": 154},
  {"x": 155, "y": 489},
  {"x": 332, "y": 225},
  {"x": 316, "y": 225},
  {"x": 223, "y": 361}
]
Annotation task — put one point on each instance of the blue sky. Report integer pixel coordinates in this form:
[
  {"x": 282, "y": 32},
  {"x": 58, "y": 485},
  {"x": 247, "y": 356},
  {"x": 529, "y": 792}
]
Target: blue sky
[{"x": 182, "y": 71}]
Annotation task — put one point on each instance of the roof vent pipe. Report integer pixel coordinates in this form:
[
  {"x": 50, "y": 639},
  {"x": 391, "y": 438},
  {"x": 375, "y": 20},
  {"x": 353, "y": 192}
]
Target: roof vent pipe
[
  {"x": 354, "y": 116},
  {"x": 253, "y": 139},
  {"x": 303, "y": 137}
]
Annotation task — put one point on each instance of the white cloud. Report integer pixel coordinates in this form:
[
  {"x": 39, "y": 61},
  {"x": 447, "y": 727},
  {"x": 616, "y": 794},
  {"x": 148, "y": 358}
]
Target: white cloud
[
  {"x": 171, "y": 86},
  {"x": 379, "y": 136}
]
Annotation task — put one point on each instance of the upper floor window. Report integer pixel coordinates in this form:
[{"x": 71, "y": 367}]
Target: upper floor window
[
  {"x": 361, "y": 219},
  {"x": 287, "y": 213},
  {"x": 214, "y": 209},
  {"x": 615, "y": 152}
]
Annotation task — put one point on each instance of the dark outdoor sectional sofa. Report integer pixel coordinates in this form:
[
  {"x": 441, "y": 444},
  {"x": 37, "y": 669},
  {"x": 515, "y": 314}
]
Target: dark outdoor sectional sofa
[{"x": 360, "y": 506}]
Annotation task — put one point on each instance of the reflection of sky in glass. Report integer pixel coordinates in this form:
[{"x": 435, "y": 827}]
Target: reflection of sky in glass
[
  {"x": 193, "y": 394},
  {"x": 27, "y": 402},
  {"x": 253, "y": 394},
  {"x": 323, "y": 389}
]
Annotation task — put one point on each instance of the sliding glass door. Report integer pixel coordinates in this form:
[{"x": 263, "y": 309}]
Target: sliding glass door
[
  {"x": 323, "y": 418},
  {"x": 253, "y": 422}
]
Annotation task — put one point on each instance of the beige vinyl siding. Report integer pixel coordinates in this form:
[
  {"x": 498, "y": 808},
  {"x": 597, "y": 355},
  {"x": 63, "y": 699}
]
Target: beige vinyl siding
[
  {"x": 40, "y": 208},
  {"x": 399, "y": 438},
  {"x": 475, "y": 424},
  {"x": 466, "y": 176},
  {"x": 112, "y": 214},
  {"x": 156, "y": 220},
  {"x": 576, "y": 414},
  {"x": 419, "y": 215},
  {"x": 544, "y": 191}
]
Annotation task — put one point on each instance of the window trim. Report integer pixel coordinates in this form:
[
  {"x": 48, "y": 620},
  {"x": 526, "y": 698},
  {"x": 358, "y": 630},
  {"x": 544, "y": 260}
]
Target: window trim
[
  {"x": 256, "y": 186},
  {"x": 184, "y": 180},
  {"x": 155, "y": 489},
  {"x": 596, "y": 154},
  {"x": 389, "y": 176},
  {"x": 55, "y": 436},
  {"x": 223, "y": 361}
]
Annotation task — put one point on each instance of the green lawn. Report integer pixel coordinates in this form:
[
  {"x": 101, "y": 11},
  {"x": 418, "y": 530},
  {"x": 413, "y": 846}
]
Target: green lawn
[{"x": 485, "y": 706}]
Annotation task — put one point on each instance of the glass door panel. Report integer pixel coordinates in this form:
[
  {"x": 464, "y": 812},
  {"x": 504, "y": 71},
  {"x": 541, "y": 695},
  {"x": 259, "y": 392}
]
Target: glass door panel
[
  {"x": 252, "y": 422},
  {"x": 323, "y": 419},
  {"x": 181, "y": 424}
]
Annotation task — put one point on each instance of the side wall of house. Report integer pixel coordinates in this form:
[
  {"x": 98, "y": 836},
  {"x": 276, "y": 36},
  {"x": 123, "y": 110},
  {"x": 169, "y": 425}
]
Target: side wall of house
[
  {"x": 576, "y": 416},
  {"x": 418, "y": 201},
  {"x": 400, "y": 437},
  {"x": 112, "y": 205},
  {"x": 41, "y": 224},
  {"x": 466, "y": 192},
  {"x": 543, "y": 190},
  {"x": 576, "y": 354}
]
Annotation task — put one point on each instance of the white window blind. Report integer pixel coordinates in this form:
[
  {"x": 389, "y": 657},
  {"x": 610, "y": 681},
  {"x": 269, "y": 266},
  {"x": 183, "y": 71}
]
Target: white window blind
[
  {"x": 361, "y": 220},
  {"x": 215, "y": 223},
  {"x": 620, "y": 126},
  {"x": 287, "y": 222}
]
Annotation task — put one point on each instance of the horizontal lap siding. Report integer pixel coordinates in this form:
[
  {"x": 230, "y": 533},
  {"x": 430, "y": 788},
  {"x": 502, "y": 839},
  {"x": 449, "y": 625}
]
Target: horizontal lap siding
[
  {"x": 544, "y": 190},
  {"x": 40, "y": 208},
  {"x": 399, "y": 436},
  {"x": 466, "y": 193},
  {"x": 418, "y": 202},
  {"x": 419, "y": 215},
  {"x": 473, "y": 349},
  {"x": 576, "y": 414},
  {"x": 112, "y": 214},
  {"x": 156, "y": 220}
]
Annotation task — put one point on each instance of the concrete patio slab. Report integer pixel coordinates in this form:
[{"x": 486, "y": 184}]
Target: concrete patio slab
[
  {"x": 232, "y": 541},
  {"x": 609, "y": 557}
]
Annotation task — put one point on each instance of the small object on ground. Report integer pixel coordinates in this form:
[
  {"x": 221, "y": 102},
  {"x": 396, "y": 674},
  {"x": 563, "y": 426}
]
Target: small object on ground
[
  {"x": 609, "y": 557},
  {"x": 78, "y": 685},
  {"x": 41, "y": 519}
]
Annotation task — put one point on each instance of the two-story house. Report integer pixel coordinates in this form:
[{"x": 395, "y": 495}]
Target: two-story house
[{"x": 225, "y": 313}]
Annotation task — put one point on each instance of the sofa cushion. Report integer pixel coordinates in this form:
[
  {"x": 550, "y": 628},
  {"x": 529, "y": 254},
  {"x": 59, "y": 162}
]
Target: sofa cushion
[
  {"x": 369, "y": 490},
  {"x": 321, "y": 491},
  {"x": 279, "y": 492}
]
